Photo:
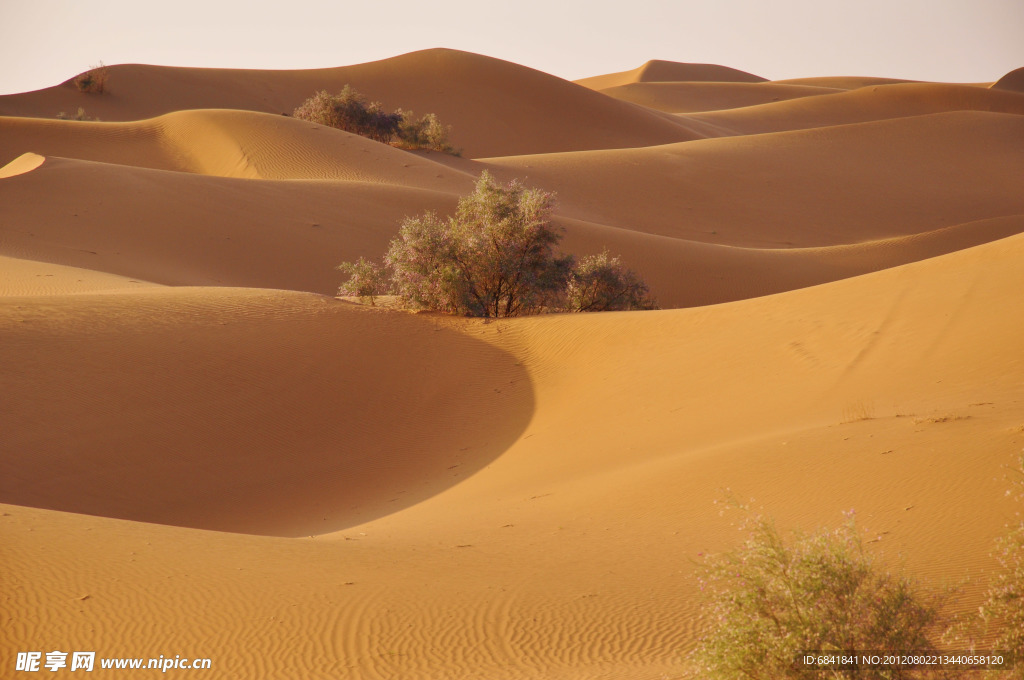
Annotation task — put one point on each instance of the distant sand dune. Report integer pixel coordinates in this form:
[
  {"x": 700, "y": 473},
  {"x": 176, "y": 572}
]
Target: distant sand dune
[
  {"x": 1012, "y": 81},
  {"x": 659, "y": 71},
  {"x": 495, "y": 107},
  {"x": 863, "y": 105},
  {"x": 692, "y": 97}
]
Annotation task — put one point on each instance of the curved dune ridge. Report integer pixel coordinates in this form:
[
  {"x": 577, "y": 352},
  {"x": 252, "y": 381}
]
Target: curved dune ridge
[
  {"x": 205, "y": 455},
  {"x": 657, "y": 71},
  {"x": 694, "y": 97},
  {"x": 1012, "y": 81},
  {"x": 862, "y": 105},
  {"x": 494, "y": 107}
]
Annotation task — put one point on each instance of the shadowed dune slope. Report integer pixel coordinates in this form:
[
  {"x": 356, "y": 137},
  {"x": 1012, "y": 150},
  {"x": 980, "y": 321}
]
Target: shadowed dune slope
[
  {"x": 495, "y": 108},
  {"x": 243, "y": 410},
  {"x": 821, "y": 187},
  {"x": 696, "y": 97},
  {"x": 567, "y": 557},
  {"x": 862, "y": 105},
  {"x": 228, "y": 144},
  {"x": 28, "y": 278},
  {"x": 1012, "y": 81},
  {"x": 230, "y": 232},
  {"x": 659, "y": 71}
]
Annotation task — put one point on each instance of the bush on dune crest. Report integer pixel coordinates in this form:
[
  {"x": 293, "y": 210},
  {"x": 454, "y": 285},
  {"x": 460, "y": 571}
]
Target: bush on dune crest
[
  {"x": 495, "y": 257},
  {"x": 93, "y": 81},
  {"x": 352, "y": 112}
]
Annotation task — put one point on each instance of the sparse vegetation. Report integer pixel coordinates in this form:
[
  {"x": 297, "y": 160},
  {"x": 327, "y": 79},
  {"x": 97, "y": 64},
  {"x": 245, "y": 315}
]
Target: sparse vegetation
[
  {"x": 495, "y": 257},
  {"x": 352, "y": 112},
  {"x": 93, "y": 81},
  {"x": 771, "y": 599},
  {"x": 1003, "y": 609},
  {"x": 79, "y": 115}
]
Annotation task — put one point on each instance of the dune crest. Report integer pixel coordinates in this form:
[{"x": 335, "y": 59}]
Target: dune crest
[{"x": 26, "y": 162}]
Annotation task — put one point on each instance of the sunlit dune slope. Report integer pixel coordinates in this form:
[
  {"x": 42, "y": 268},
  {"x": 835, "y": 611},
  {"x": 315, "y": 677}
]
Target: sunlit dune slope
[
  {"x": 569, "y": 555},
  {"x": 232, "y": 232},
  {"x": 243, "y": 410},
  {"x": 228, "y": 144},
  {"x": 691, "y": 97},
  {"x": 495, "y": 107},
  {"x": 27, "y": 278},
  {"x": 843, "y": 82},
  {"x": 862, "y": 105},
  {"x": 820, "y": 187},
  {"x": 657, "y": 70}
]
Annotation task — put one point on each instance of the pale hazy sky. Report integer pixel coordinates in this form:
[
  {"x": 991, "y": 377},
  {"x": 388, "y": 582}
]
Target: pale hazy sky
[{"x": 44, "y": 42}]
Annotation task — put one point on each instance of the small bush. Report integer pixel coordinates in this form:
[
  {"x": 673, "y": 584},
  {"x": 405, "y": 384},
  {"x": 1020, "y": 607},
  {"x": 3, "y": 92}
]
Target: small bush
[
  {"x": 366, "y": 280},
  {"x": 1003, "y": 608},
  {"x": 600, "y": 283},
  {"x": 93, "y": 81},
  {"x": 352, "y": 112},
  {"x": 80, "y": 115},
  {"x": 770, "y": 600}
]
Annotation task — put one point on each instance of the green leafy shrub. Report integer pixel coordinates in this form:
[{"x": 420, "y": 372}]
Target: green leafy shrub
[
  {"x": 352, "y": 112},
  {"x": 93, "y": 81},
  {"x": 600, "y": 283},
  {"x": 771, "y": 599}
]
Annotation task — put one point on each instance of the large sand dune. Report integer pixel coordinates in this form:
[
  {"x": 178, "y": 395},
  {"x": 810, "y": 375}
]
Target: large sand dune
[
  {"x": 494, "y": 107},
  {"x": 205, "y": 454}
]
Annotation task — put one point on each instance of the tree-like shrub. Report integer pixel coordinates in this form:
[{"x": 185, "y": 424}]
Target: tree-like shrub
[
  {"x": 600, "y": 283},
  {"x": 495, "y": 257},
  {"x": 352, "y": 112},
  {"x": 771, "y": 599}
]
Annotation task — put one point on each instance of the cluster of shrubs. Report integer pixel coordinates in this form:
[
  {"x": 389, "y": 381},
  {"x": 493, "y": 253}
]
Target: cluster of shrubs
[
  {"x": 352, "y": 112},
  {"x": 771, "y": 599},
  {"x": 92, "y": 81},
  {"x": 495, "y": 257}
]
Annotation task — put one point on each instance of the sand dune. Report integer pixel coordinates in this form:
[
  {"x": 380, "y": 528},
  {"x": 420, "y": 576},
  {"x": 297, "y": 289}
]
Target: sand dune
[
  {"x": 228, "y": 144},
  {"x": 1012, "y": 81},
  {"x": 844, "y": 82},
  {"x": 659, "y": 71},
  {"x": 533, "y": 581},
  {"x": 291, "y": 236},
  {"x": 693, "y": 97},
  {"x": 863, "y": 105},
  {"x": 204, "y": 455},
  {"x": 495, "y": 107},
  {"x": 820, "y": 187}
]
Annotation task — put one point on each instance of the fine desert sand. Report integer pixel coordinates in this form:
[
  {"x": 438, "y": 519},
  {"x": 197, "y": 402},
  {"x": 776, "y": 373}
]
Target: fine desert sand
[{"x": 205, "y": 453}]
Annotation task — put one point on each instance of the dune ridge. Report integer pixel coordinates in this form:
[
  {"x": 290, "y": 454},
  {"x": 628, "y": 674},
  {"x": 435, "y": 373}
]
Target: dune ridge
[{"x": 660, "y": 71}]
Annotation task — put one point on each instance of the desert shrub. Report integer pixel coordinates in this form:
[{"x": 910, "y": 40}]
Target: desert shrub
[
  {"x": 93, "y": 81},
  {"x": 80, "y": 115},
  {"x": 600, "y": 283},
  {"x": 424, "y": 133},
  {"x": 495, "y": 257},
  {"x": 771, "y": 599},
  {"x": 352, "y": 112},
  {"x": 1003, "y": 609},
  {"x": 366, "y": 279}
]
